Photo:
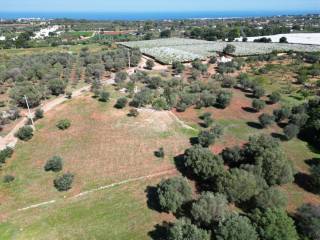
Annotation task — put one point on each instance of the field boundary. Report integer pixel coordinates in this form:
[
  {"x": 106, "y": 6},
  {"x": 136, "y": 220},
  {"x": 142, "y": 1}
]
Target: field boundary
[{"x": 77, "y": 196}]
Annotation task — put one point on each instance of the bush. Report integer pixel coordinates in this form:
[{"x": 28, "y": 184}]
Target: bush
[
  {"x": 64, "y": 182},
  {"x": 209, "y": 209},
  {"x": 178, "y": 67},
  {"x": 54, "y": 164},
  {"x": 56, "y": 86},
  {"x": 266, "y": 120},
  {"x": 8, "y": 178},
  {"x": 275, "y": 97},
  {"x": 271, "y": 198},
  {"x": 229, "y": 49},
  {"x": 63, "y": 124},
  {"x": 258, "y": 104},
  {"x": 39, "y": 113},
  {"x": 5, "y": 153},
  {"x": 258, "y": 91},
  {"x": 121, "y": 103},
  {"x": 149, "y": 64},
  {"x": 308, "y": 221},
  {"x": 291, "y": 131},
  {"x": 223, "y": 99},
  {"x": 133, "y": 112},
  {"x": 228, "y": 82},
  {"x": 25, "y": 133},
  {"x": 159, "y": 153},
  {"x": 172, "y": 193},
  {"x": 120, "y": 77},
  {"x": 104, "y": 96},
  {"x": 236, "y": 228}
]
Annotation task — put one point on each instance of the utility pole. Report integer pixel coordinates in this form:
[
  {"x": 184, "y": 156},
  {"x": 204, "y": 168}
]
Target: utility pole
[
  {"x": 129, "y": 60},
  {"x": 30, "y": 116}
]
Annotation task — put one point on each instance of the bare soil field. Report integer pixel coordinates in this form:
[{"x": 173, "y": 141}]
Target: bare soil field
[{"x": 102, "y": 146}]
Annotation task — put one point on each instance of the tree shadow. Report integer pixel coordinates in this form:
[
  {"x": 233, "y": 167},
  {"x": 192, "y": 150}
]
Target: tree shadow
[
  {"x": 194, "y": 141},
  {"x": 312, "y": 161},
  {"x": 185, "y": 171},
  {"x": 282, "y": 124},
  {"x": 152, "y": 198},
  {"x": 254, "y": 125},
  {"x": 279, "y": 136},
  {"x": 249, "y": 109},
  {"x": 160, "y": 232},
  {"x": 304, "y": 181},
  {"x": 249, "y": 95}
]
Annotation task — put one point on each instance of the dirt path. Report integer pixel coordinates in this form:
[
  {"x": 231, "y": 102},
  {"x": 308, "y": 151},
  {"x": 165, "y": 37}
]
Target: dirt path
[
  {"x": 10, "y": 140},
  {"x": 116, "y": 184}
]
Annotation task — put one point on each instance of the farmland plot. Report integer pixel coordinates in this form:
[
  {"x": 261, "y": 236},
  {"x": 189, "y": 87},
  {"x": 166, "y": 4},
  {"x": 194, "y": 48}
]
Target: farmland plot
[{"x": 184, "y": 50}]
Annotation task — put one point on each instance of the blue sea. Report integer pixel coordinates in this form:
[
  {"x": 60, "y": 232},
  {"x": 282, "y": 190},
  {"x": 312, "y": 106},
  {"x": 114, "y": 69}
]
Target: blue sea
[{"x": 147, "y": 15}]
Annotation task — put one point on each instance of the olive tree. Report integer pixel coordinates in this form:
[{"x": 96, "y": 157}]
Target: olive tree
[
  {"x": 203, "y": 162},
  {"x": 209, "y": 209},
  {"x": 236, "y": 227},
  {"x": 172, "y": 193}
]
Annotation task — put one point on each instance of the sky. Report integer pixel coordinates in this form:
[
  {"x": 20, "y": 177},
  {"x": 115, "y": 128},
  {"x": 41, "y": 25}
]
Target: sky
[{"x": 156, "y": 5}]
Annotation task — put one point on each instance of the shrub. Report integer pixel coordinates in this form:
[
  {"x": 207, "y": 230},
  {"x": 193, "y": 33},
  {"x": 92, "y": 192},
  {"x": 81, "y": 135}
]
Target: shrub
[
  {"x": 56, "y": 86},
  {"x": 271, "y": 198},
  {"x": 308, "y": 221},
  {"x": 149, "y": 64},
  {"x": 178, "y": 67},
  {"x": 121, "y": 103},
  {"x": 69, "y": 95},
  {"x": 160, "y": 104},
  {"x": 291, "y": 131},
  {"x": 159, "y": 153},
  {"x": 258, "y": 91},
  {"x": 275, "y": 97},
  {"x": 228, "y": 82},
  {"x": 120, "y": 77},
  {"x": 54, "y": 164},
  {"x": 223, "y": 99},
  {"x": 104, "y": 96},
  {"x": 258, "y": 104},
  {"x": 63, "y": 124},
  {"x": 64, "y": 182},
  {"x": 236, "y": 228},
  {"x": 38, "y": 113},
  {"x": 283, "y": 40},
  {"x": 25, "y": 133},
  {"x": 209, "y": 209},
  {"x": 5, "y": 153},
  {"x": 133, "y": 112},
  {"x": 172, "y": 193},
  {"x": 281, "y": 114},
  {"x": 8, "y": 178},
  {"x": 266, "y": 120},
  {"x": 229, "y": 49}
]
